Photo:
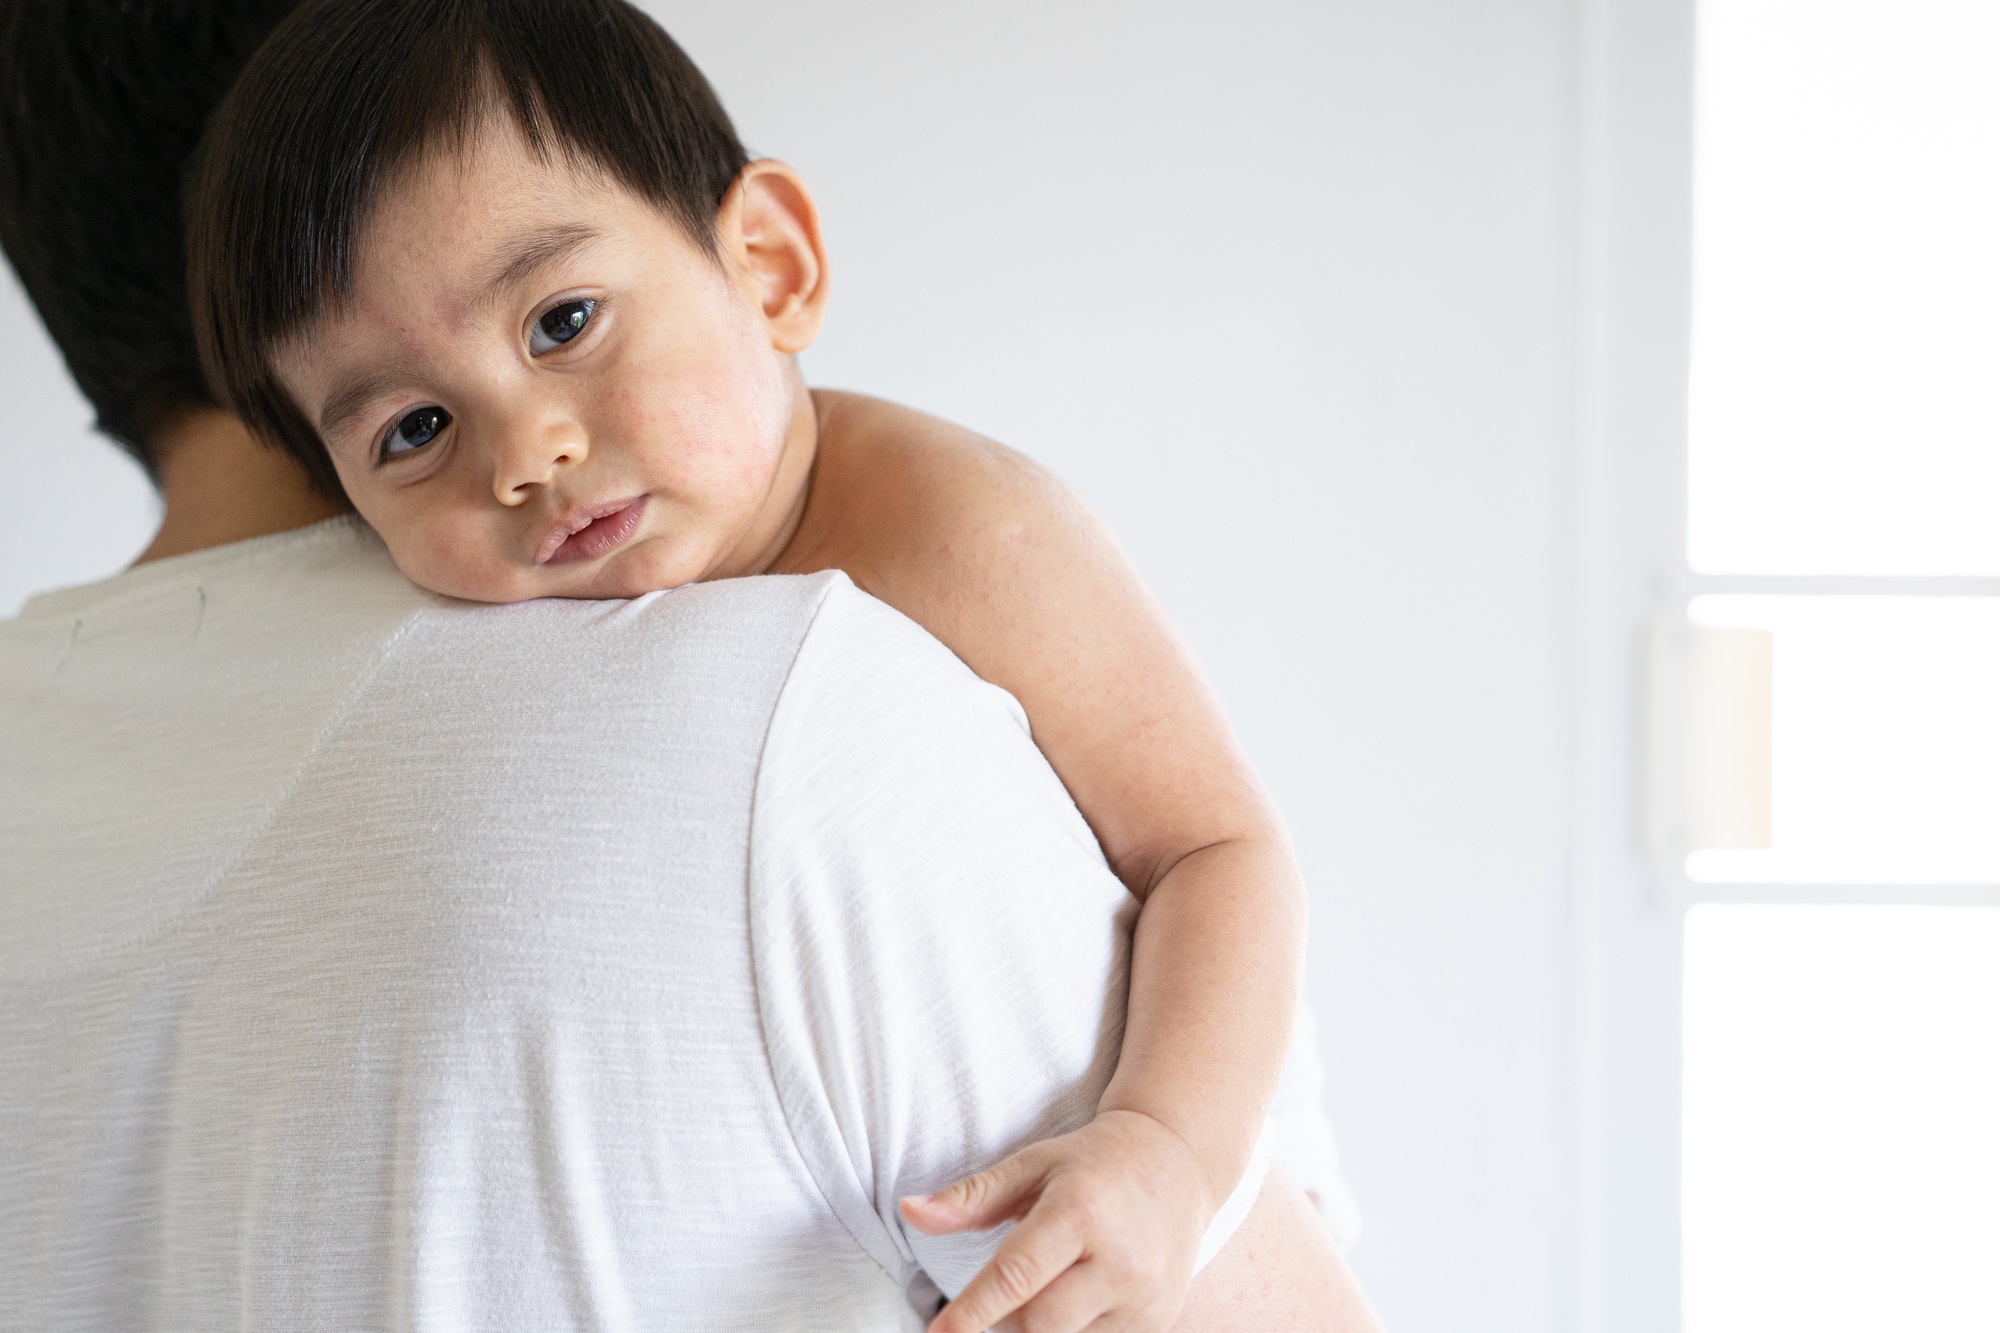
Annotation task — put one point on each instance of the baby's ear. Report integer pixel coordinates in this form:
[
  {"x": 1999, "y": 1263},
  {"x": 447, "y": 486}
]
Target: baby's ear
[{"x": 768, "y": 227}]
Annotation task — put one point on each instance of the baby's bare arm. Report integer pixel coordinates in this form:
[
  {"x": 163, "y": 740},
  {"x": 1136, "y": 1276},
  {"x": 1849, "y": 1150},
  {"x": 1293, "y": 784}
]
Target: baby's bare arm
[{"x": 1010, "y": 570}]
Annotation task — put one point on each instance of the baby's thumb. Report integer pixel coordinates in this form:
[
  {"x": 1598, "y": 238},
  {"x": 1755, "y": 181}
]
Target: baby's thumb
[{"x": 998, "y": 1194}]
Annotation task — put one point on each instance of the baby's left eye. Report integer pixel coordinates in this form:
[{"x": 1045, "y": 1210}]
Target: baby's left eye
[{"x": 558, "y": 325}]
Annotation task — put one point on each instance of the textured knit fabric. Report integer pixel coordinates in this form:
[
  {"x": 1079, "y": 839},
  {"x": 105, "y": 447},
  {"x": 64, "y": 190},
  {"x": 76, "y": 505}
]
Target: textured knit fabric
[{"x": 372, "y": 960}]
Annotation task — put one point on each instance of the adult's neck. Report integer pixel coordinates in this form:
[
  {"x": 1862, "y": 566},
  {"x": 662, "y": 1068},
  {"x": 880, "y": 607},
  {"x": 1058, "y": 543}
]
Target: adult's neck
[{"x": 222, "y": 486}]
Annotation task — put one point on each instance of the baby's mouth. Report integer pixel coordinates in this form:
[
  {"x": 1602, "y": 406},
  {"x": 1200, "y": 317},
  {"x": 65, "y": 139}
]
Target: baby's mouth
[{"x": 588, "y": 534}]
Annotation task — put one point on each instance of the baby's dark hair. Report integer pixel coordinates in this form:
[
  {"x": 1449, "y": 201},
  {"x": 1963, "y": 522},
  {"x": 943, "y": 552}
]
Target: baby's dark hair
[
  {"x": 101, "y": 103},
  {"x": 346, "y": 92}
]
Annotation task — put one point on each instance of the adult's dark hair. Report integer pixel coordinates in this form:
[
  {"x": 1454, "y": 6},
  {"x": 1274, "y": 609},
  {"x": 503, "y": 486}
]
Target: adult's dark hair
[
  {"x": 346, "y": 92},
  {"x": 101, "y": 103}
]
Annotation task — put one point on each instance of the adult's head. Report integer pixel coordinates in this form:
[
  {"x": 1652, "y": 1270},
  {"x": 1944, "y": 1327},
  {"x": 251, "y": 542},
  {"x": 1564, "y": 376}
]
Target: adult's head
[{"x": 101, "y": 105}]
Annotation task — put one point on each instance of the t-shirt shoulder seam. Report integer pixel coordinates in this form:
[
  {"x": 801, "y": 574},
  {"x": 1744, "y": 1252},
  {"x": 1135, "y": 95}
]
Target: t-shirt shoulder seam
[
  {"x": 196, "y": 566},
  {"x": 826, "y": 595},
  {"x": 336, "y": 716}
]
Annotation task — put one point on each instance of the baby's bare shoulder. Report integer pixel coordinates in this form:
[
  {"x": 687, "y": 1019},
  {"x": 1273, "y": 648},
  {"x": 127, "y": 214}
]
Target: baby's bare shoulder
[
  {"x": 877, "y": 444},
  {"x": 900, "y": 494}
]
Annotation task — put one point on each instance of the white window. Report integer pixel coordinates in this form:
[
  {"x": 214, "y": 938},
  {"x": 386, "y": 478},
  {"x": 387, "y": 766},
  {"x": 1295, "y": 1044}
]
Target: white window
[{"x": 1797, "y": 432}]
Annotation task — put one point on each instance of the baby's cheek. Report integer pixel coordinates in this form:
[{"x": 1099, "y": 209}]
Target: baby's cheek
[
  {"x": 474, "y": 568},
  {"x": 456, "y": 559},
  {"x": 713, "y": 438}
]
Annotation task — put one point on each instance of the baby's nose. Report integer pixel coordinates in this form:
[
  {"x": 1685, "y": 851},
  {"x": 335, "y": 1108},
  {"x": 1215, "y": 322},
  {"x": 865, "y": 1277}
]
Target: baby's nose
[{"x": 533, "y": 459}]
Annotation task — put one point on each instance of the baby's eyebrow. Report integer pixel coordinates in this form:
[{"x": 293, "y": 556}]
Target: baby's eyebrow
[
  {"x": 532, "y": 251},
  {"x": 346, "y": 402}
]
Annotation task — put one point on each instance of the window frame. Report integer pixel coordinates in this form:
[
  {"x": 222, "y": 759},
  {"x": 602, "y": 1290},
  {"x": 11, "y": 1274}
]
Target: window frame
[{"x": 1634, "y": 219}]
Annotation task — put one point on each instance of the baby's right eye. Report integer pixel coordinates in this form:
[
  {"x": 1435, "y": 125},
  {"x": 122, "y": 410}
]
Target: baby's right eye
[
  {"x": 414, "y": 431},
  {"x": 559, "y": 324}
]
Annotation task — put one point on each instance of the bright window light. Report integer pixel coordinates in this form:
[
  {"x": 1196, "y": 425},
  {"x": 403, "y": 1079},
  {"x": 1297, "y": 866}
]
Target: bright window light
[
  {"x": 1841, "y": 1097},
  {"x": 1885, "y": 740},
  {"x": 1843, "y": 412}
]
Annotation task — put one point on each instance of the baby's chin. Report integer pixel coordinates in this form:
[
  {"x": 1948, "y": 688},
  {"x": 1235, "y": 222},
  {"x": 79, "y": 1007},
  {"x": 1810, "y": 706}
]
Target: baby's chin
[{"x": 632, "y": 571}]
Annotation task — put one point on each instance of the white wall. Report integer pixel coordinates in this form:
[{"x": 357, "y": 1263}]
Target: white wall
[{"x": 1286, "y": 290}]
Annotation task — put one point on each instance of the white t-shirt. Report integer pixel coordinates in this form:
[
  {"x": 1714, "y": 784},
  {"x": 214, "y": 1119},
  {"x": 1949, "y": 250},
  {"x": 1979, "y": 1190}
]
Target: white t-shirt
[{"x": 373, "y": 960}]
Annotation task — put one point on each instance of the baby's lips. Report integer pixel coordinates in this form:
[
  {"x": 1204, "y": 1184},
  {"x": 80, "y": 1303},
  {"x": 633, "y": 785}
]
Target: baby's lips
[
  {"x": 575, "y": 521},
  {"x": 603, "y": 529}
]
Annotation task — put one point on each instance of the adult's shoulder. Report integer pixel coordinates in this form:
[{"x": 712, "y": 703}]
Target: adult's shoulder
[
  {"x": 940, "y": 948},
  {"x": 865, "y": 654},
  {"x": 727, "y": 645},
  {"x": 727, "y": 618},
  {"x": 586, "y": 705}
]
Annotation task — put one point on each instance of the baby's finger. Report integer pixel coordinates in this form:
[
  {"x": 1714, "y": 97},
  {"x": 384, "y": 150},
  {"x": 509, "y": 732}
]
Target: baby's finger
[
  {"x": 998, "y": 1194},
  {"x": 1070, "y": 1304},
  {"x": 1026, "y": 1262}
]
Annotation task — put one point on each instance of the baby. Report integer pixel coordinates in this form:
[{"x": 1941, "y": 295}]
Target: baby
[{"x": 501, "y": 273}]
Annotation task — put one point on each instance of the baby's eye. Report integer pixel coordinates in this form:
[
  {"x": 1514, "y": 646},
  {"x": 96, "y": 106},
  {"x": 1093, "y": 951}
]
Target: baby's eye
[
  {"x": 414, "y": 431},
  {"x": 558, "y": 325}
]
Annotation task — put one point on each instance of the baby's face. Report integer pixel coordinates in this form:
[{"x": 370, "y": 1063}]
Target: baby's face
[{"x": 544, "y": 388}]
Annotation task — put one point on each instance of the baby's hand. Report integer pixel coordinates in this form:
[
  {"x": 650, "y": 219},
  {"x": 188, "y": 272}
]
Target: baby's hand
[{"x": 1111, "y": 1219}]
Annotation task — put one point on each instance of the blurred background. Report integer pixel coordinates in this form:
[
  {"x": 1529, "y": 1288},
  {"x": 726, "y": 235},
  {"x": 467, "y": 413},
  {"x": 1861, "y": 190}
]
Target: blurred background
[{"x": 1566, "y": 431}]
